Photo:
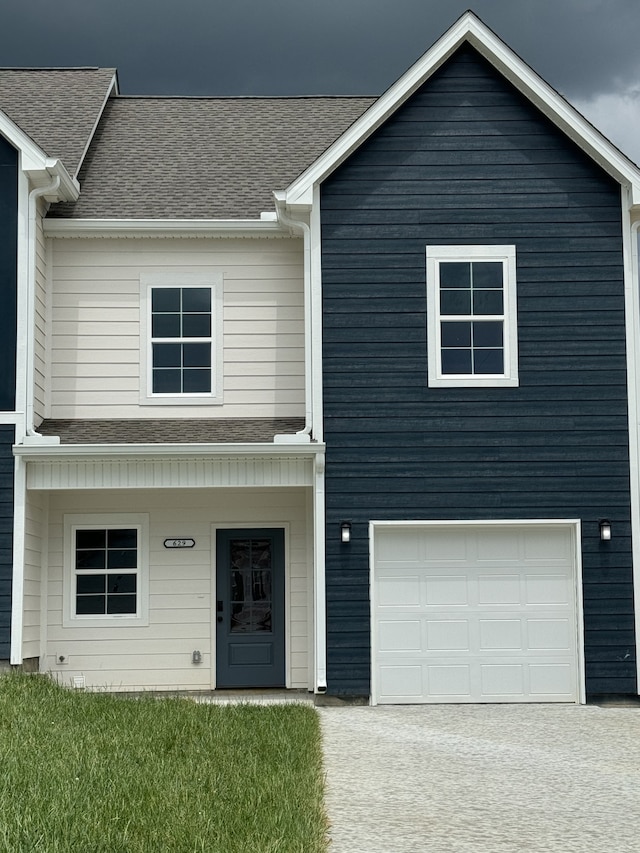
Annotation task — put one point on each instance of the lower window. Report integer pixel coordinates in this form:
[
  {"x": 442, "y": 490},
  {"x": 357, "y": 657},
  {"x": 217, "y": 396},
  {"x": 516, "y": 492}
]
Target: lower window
[
  {"x": 106, "y": 564},
  {"x": 105, "y": 569}
]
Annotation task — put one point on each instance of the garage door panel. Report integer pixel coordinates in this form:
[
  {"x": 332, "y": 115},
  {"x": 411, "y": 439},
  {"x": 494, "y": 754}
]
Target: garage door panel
[
  {"x": 401, "y": 683},
  {"x": 503, "y": 681},
  {"x": 496, "y": 629},
  {"x": 550, "y": 634},
  {"x": 547, "y": 589},
  {"x": 550, "y": 544},
  {"x": 496, "y": 545},
  {"x": 500, "y": 634},
  {"x": 399, "y": 591},
  {"x": 449, "y": 682},
  {"x": 446, "y": 634},
  {"x": 499, "y": 589},
  {"x": 442, "y": 590},
  {"x": 547, "y": 680},
  {"x": 401, "y": 635}
]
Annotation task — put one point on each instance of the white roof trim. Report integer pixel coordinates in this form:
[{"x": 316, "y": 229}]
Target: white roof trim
[
  {"x": 471, "y": 29},
  {"x": 163, "y": 228},
  {"x": 36, "y": 163},
  {"x": 112, "y": 90},
  {"x": 33, "y": 157},
  {"x": 163, "y": 451}
]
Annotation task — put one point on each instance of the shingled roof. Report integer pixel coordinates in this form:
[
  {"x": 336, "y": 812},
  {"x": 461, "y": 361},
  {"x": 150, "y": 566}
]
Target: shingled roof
[
  {"x": 155, "y": 431},
  {"x": 57, "y": 107},
  {"x": 203, "y": 158}
]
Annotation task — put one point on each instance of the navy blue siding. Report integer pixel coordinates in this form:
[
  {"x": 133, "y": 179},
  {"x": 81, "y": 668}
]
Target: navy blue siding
[
  {"x": 6, "y": 536},
  {"x": 469, "y": 160},
  {"x": 8, "y": 272},
  {"x": 8, "y": 295}
]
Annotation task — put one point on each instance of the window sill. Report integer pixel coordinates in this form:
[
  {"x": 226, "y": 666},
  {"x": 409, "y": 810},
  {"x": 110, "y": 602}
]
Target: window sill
[
  {"x": 473, "y": 382},
  {"x": 169, "y": 400},
  {"x": 105, "y": 622}
]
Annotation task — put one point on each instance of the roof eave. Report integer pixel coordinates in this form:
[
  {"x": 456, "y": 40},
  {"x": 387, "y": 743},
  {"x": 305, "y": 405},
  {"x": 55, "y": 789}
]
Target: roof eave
[
  {"x": 36, "y": 163},
  {"x": 263, "y": 227},
  {"x": 471, "y": 29},
  {"x": 59, "y": 452}
]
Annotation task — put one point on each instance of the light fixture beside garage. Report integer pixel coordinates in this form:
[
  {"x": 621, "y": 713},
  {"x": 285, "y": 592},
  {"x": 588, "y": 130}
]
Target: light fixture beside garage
[
  {"x": 605, "y": 530},
  {"x": 345, "y": 532}
]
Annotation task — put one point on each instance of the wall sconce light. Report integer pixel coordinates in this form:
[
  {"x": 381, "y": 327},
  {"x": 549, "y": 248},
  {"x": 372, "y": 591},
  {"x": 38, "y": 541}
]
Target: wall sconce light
[
  {"x": 605, "y": 530},
  {"x": 345, "y": 532},
  {"x": 196, "y": 656}
]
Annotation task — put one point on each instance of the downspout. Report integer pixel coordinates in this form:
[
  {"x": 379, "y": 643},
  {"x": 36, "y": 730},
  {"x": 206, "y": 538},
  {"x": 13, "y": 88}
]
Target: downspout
[
  {"x": 27, "y": 432},
  {"x": 632, "y": 311},
  {"x": 302, "y": 227},
  {"x": 319, "y": 581},
  {"x": 34, "y": 195}
]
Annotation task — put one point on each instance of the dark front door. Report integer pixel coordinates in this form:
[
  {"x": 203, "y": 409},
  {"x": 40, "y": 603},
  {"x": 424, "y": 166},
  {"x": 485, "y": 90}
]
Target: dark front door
[{"x": 250, "y": 608}]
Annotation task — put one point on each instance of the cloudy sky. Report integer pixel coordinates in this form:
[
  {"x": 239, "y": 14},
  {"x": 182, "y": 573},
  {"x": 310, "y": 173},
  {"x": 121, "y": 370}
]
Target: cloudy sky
[{"x": 587, "y": 49}]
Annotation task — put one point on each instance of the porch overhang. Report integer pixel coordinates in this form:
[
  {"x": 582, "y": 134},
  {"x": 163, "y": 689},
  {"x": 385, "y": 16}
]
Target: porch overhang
[{"x": 160, "y": 466}]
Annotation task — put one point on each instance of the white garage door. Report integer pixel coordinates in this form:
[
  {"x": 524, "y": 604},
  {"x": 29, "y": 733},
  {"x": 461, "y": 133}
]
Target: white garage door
[{"x": 474, "y": 613}]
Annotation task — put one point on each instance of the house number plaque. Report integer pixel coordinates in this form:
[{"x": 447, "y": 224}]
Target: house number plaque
[{"x": 179, "y": 543}]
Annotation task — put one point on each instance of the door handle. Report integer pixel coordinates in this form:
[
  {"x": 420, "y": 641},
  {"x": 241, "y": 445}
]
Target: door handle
[{"x": 220, "y": 608}]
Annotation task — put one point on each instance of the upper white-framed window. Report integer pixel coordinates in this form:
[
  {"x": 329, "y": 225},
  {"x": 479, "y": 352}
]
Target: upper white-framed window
[
  {"x": 106, "y": 569},
  {"x": 472, "y": 323},
  {"x": 181, "y": 338}
]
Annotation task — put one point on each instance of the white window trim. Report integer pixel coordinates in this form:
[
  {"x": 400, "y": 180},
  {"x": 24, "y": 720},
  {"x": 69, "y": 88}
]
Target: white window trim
[
  {"x": 215, "y": 281},
  {"x": 98, "y": 521},
  {"x": 507, "y": 256}
]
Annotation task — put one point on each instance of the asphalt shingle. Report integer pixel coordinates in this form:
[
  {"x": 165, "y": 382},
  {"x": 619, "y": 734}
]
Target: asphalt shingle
[
  {"x": 174, "y": 431},
  {"x": 203, "y": 158},
  {"x": 58, "y": 107}
]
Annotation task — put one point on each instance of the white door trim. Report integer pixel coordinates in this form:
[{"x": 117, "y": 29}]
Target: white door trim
[{"x": 573, "y": 524}]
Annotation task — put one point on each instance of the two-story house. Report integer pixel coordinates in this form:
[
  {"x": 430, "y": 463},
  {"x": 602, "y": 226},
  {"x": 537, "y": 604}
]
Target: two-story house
[{"x": 337, "y": 394}]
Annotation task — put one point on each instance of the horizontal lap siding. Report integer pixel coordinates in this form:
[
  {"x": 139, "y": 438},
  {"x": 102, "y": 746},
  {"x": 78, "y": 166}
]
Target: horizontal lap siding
[
  {"x": 8, "y": 297},
  {"x": 468, "y": 160},
  {"x": 6, "y": 537},
  {"x": 95, "y": 341},
  {"x": 35, "y": 521},
  {"x": 157, "y": 656}
]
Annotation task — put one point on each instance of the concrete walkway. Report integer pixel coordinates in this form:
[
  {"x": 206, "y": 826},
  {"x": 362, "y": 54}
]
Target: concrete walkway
[{"x": 483, "y": 778}]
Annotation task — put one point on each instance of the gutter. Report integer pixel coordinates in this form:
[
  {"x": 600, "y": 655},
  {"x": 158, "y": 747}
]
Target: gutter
[
  {"x": 266, "y": 226},
  {"x": 41, "y": 450}
]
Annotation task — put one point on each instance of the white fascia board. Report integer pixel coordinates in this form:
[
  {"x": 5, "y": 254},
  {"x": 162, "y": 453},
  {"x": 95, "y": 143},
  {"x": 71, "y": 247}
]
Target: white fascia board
[
  {"x": 112, "y": 90},
  {"x": 39, "y": 167},
  {"x": 469, "y": 28},
  {"x": 33, "y": 157},
  {"x": 163, "y": 228},
  {"x": 167, "y": 451}
]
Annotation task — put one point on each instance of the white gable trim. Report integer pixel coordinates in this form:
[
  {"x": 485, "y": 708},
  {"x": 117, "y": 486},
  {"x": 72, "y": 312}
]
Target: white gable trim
[
  {"x": 33, "y": 157},
  {"x": 471, "y": 29},
  {"x": 35, "y": 163}
]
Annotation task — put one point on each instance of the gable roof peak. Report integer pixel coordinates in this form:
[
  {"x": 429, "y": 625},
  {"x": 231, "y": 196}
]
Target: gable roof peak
[{"x": 471, "y": 29}]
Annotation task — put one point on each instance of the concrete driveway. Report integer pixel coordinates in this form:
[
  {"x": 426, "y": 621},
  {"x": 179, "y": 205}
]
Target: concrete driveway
[{"x": 483, "y": 778}]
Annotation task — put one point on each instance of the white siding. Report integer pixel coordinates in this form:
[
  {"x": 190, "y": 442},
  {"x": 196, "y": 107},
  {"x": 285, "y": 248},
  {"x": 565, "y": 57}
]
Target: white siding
[
  {"x": 181, "y": 588},
  {"x": 35, "y": 518},
  {"x": 95, "y": 358}
]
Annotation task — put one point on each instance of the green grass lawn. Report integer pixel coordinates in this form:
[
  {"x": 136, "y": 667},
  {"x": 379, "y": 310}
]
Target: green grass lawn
[{"x": 93, "y": 772}]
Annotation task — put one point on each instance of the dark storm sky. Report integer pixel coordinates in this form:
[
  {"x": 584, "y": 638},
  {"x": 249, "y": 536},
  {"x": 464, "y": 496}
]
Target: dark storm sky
[{"x": 587, "y": 49}]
